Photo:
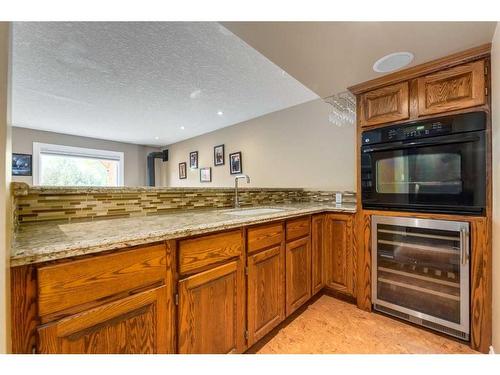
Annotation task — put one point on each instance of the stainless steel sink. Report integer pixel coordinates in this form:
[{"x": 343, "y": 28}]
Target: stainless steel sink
[{"x": 252, "y": 211}]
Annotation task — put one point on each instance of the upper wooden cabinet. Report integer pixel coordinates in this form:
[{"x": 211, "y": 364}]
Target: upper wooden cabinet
[
  {"x": 137, "y": 324},
  {"x": 340, "y": 258},
  {"x": 211, "y": 312},
  {"x": 266, "y": 292},
  {"x": 459, "y": 87},
  {"x": 383, "y": 105}
]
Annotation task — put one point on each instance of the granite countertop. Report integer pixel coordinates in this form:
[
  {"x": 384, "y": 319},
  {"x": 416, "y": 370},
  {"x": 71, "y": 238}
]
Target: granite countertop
[{"x": 41, "y": 242}]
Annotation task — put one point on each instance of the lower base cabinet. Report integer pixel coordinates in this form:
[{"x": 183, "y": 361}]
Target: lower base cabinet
[
  {"x": 135, "y": 324},
  {"x": 211, "y": 317},
  {"x": 266, "y": 292},
  {"x": 317, "y": 253},
  {"x": 123, "y": 302},
  {"x": 340, "y": 270},
  {"x": 298, "y": 273}
]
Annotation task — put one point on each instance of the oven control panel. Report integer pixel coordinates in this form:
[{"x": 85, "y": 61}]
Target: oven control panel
[{"x": 406, "y": 132}]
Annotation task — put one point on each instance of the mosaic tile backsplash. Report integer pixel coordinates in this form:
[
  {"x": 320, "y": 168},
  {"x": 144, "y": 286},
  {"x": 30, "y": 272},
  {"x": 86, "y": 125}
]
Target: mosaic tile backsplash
[{"x": 34, "y": 204}]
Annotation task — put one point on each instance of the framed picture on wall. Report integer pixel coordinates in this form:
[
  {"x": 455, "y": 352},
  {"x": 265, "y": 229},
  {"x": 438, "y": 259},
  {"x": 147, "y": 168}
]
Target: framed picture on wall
[
  {"x": 235, "y": 166},
  {"x": 182, "y": 170},
  {"x": 219, "y": 155},
  {"x": 21, "y": 165},
  {"x": 193, "y": 160},
  {"x": 206, "y": 174}
]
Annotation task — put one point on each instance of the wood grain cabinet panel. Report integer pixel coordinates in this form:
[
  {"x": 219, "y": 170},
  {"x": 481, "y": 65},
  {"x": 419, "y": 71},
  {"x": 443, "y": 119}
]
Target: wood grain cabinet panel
[
  {"x": 77, "y": 283},
  {"x": 210, "y": 315},
  {"x": 133, "y": 325},
  {"x": 339, "y": 256},
  {"x": 266, "y": 292},
  {"x": 198, "y": 253},
  {"x": 264, "y": 236},
  {"x": 456, "y": 88},
  {"x": 297, "y": 228},
  {"x": 383, "y": 105},
  {"x": 317, "y": 253},
  {"x": 298, "y": 273}
]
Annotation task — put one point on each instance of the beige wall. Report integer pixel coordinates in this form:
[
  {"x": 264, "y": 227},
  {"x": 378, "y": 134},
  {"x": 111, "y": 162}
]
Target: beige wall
[
  {"x": 134, "y": 155},
  {"x": 495, "y": 89},
  {"x": 295, "y": 147},
  {"x": 5, "y": 205}
]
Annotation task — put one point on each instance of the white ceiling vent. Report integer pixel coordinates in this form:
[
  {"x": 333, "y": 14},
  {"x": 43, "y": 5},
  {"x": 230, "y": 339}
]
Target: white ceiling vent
[{"x": 393, "y": 61}]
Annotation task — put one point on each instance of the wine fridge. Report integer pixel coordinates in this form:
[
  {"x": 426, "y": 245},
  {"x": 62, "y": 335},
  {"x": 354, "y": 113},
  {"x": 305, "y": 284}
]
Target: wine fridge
[{"x": 420, "y": 272}]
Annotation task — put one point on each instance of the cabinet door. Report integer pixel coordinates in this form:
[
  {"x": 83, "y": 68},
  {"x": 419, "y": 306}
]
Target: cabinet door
[
  {"x": 135, "y": 324},
  {"x": 383, "y": 105},
  {"x": 211, "y": 315},
  {"x": 298, "y": 273},
  {"x": 339, "y": 257},
  {"x": 455, "y": 88},
  {"x": 266, "y": 294},
  {"x": 317, "y": 254}
]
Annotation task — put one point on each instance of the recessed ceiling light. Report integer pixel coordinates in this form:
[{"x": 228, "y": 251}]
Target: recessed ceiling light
[
  {"x": 182, "y": 128},
  {"x": 220, "y": 113},
  {"x": 393, "y": 61},
  {"x": 157, "y": 138}
]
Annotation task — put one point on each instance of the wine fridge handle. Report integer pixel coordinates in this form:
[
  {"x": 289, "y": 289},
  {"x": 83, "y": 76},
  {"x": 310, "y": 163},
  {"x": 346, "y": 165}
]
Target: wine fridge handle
[{"x": 464, "y": 246}]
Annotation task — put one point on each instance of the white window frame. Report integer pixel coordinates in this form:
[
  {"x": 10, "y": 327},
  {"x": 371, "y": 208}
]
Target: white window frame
[{"x": 47, "y": 148}]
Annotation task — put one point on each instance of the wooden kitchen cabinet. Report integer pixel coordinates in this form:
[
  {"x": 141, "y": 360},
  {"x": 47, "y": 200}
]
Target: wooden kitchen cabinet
[
  {"x": 113, "y": 303},
  {"x": 317, "y": 253},
  {"x": 298, "y": 273},
  {"x": 460, "y": 87},
  {"x": 266, "y": 292},
  {"x": 211, "y": 316},
  {"x": 340, "y": 270},
  {"x": 137, "y": 324},
  {"x": 386, "y": 104}
]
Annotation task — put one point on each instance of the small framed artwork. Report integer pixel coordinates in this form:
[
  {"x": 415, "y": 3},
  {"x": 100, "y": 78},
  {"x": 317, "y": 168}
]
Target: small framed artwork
[
  {"x": 206, "y": 174},
  {"x": 182, "y": 171},
  {"x": 21, "y": 165},
  {"x": 219, "y": 155},
  {"x": 193, "y": 160},
  {"x": 235, "y": 163}
]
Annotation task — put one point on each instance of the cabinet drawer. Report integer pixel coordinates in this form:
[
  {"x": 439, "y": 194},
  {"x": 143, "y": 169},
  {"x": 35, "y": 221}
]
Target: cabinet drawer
[
  {"x": 297, "y": 228},
  {"x": 68, "y": 285},
  {"x": 460, "y": 87},
  {"x": 197, "y": 253},
  {"x": 264, "y": 236},
  {"x": 383, "y": 105}
]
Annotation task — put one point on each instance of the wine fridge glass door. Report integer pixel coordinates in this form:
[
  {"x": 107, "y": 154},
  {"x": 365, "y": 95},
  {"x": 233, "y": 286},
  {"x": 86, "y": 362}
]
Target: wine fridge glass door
[{"x": 421, "y": 268}]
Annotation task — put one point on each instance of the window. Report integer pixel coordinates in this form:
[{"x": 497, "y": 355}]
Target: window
[{"x": 57, "y": 165}]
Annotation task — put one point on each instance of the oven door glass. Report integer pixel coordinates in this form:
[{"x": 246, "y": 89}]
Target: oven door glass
[
  {"x": 420, "y": 173},
  {"x": 448, "y": 176}
]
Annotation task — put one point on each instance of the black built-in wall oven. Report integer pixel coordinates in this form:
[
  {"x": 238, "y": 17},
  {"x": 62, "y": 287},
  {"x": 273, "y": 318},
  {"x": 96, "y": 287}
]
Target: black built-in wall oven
[{"x": 436, "y": 165}]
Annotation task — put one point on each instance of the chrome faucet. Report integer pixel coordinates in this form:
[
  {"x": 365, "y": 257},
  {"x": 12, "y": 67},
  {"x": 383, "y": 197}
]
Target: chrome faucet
[{"x": 236, "y": 197}]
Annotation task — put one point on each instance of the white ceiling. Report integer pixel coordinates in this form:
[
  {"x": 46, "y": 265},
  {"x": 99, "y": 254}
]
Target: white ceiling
[
  {"x": 133, "y": 82},
  {"x": 328, "y": 57}
]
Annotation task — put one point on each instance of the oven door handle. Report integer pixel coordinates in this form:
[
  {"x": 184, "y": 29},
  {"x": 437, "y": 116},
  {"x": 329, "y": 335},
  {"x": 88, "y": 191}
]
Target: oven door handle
[{"x": 420, "y": 144}]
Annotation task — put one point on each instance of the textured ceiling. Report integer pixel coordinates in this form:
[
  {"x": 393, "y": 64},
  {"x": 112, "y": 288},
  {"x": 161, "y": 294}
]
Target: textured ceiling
[
  {"x": 133, "y": 82},
  {"x": 328, "y": 57}
]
